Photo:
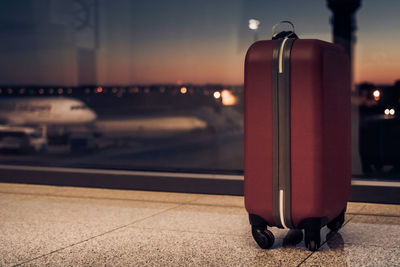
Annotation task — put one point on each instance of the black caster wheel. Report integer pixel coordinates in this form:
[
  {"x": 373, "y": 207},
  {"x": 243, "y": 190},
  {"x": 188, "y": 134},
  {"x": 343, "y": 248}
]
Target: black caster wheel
[
  {"x": 312, "y": 237},
  {"x": 337, "y": 223},
  {"x": 312, "y": 241},
  {"x": 312, "y": 245},
  {"x": 264, "y": 238}
]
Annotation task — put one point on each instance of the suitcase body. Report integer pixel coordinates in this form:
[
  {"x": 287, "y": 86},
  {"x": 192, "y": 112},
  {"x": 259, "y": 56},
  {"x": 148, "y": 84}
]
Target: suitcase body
[{"x": 297, "y": 165}]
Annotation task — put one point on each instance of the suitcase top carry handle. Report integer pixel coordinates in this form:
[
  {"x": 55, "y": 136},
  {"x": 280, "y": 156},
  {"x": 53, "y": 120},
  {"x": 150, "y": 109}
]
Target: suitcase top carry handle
[{"x": 283, "y": 34}]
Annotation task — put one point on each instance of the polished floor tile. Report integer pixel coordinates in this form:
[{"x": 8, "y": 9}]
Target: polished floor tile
[
  {"x": 31, "y": 226},
  {"x": 225, "y": 201},
  {"x": 201, "y": 219},
  {"x": 372, "y": 231},
  {"x": 354, "y": 207},
  {"x": 23, "y": 241},
  {"x": 153, "y": 247},
  {"x": 354, "y": 255},
  {"x": 59, "y": 226},
  {"x": 77, "y": 210},
  {"x": 380, "y": 209},
  {"x": 96, "y": 193}
]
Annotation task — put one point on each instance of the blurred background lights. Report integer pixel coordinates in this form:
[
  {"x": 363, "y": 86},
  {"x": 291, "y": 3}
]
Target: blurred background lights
[
  {"x": 253, "y": 24},
  {"x": 389, "y": 111},
  {"x": 217, "y": 95},
  {"x": 183, "y": 90},
  {"x": 376, "y": 94},
  {"x": 228, "y": 99}
]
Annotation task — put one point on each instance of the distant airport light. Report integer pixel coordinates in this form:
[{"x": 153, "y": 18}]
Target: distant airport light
[
  {"x": 121, "y": 91},
  {"x": 60, "y": 91},
  {"x": 387, "y": 112},
  {"x": 51, "y": 91},
  {"x": 1, "y": 91},
  {"x": 22, "y": 91},
  {"x": 99, "y": 89},
  {"x": 206, "y": 92},
  {"x": 183, "y": 90},
  {"x": 376, "y": 94},
  {"x": 253, "y": 24},
  {"x": 10, "y": 91},
  {"x": 391, "y": 111},
  {"x": 217, "y": 95},
  {"x": 41, "y": 91},
  {"x": 136, "y": 90},
  {"x": 114, "y": 90},
  {"x": 228, "y": 99},
  {"x": 162, "y": 89},
  {"x": 147, "y": 90}
]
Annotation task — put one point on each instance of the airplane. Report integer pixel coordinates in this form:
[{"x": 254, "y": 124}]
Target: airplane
[
  {"x": 40, "y": 112},
  {"x": 44, "y": 111}
]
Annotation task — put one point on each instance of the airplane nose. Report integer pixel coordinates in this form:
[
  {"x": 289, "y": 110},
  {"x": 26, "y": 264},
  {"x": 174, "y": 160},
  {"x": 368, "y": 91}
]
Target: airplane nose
[{"x": 93, "y": 116}]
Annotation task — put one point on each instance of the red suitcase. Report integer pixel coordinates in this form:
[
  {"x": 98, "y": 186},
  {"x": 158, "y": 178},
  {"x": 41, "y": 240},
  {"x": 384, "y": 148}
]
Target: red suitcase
[{"x": 297, "y": 165}]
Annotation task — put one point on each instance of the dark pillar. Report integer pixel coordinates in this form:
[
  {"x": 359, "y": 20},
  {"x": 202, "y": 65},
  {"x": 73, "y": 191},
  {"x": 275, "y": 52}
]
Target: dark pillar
[
  {"x": 344, "y": 23},
  {"x": 344, "y": 26}
]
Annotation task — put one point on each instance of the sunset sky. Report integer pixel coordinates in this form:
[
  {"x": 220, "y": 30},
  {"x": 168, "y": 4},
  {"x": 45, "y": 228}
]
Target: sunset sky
[
  {"x": 206, "y": 41},
  {"x": 196, "y": 41}
]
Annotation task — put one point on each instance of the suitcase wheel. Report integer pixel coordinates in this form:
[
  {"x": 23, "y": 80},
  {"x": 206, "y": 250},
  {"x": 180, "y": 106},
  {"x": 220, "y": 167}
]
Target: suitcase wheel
[
  {"x": 312, "y": 245},
  {"x": 337, "y": 223},
  {"x": 312, "y": 240},
  {"x": 312, "y": 234},
  {"x": 264, "y": 238}
]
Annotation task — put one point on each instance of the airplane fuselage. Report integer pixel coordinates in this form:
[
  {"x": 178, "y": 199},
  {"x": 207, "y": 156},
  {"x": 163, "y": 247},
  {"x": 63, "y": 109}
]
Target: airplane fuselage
[{"x": 44, "y": 110}]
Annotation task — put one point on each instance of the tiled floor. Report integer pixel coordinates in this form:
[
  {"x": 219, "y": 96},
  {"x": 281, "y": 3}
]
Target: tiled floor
[{"x": 58, "y": 226}]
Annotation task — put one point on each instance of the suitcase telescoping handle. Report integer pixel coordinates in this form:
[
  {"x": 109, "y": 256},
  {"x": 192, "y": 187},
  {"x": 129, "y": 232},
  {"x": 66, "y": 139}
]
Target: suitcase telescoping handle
[{"x": 284, "y": 33}]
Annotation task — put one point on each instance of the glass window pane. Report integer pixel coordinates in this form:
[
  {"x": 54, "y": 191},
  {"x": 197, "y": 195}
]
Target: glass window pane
[{"x": 158, "y": 85}]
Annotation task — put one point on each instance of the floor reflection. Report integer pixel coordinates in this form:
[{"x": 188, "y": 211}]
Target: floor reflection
[
  {"x": 334, "y": 240},
  {"x": 292, "y": 238}
]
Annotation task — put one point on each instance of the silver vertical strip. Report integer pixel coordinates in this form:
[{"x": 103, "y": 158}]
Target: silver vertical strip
[
  {"x": 275, "y": 127},
  {"x": 284, "y": 135},
  {"x": 281, "y": 208}
]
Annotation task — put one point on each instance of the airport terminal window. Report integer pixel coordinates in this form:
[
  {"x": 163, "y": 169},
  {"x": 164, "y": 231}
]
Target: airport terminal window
[{"x": 158, "y": 85}]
